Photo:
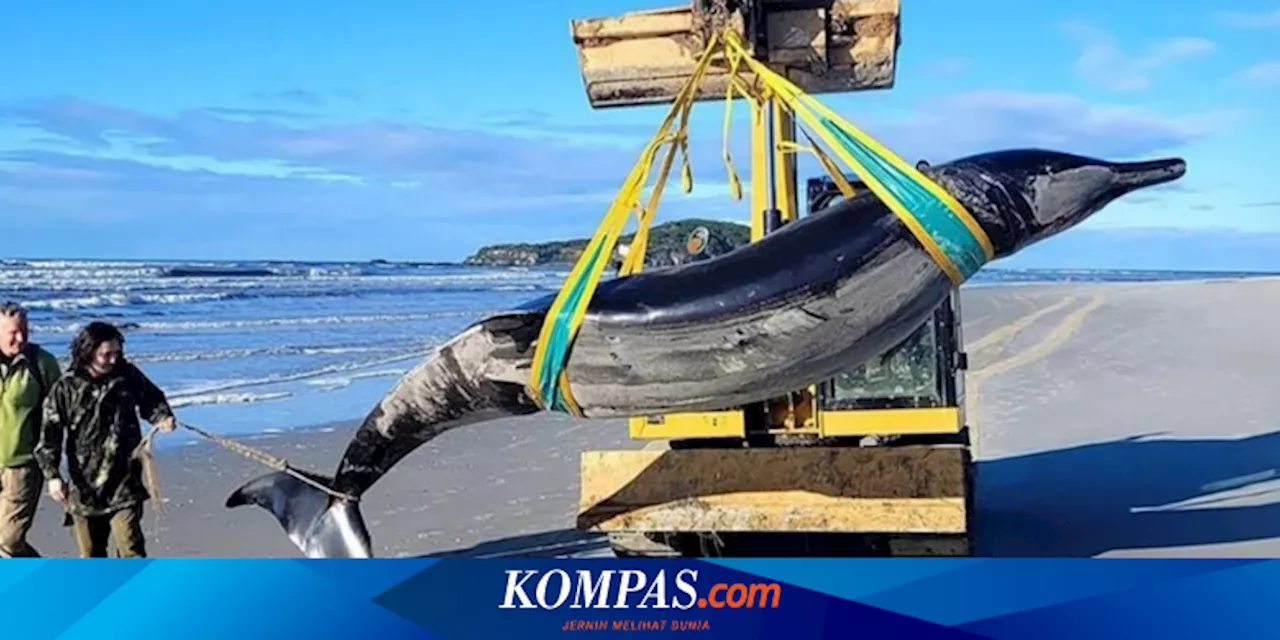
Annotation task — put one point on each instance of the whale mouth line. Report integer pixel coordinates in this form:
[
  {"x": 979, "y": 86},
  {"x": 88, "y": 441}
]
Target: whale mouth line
[{"x": 1138, "y": 175}]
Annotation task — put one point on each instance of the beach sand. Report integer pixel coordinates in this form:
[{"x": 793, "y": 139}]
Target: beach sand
[{"x": 1112, "y": 419}]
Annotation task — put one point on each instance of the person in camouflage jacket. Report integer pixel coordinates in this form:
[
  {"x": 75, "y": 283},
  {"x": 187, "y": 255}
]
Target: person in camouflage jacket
[{"x": 92, "y": 413}]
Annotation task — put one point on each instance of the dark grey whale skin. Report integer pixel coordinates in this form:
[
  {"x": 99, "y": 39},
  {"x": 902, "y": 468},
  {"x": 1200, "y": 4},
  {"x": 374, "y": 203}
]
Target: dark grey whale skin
[{"x": 827, "y": 291}]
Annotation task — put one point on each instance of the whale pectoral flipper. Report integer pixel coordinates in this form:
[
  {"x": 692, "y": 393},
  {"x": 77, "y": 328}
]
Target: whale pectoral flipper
[{"x": 320, "y": 525}]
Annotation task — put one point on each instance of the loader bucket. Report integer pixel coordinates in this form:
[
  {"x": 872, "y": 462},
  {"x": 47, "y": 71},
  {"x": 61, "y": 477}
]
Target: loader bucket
[{"x": 645, "y": 57}]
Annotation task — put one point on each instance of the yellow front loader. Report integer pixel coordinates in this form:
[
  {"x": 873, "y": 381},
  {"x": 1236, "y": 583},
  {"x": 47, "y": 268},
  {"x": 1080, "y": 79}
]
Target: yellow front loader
[{"x": 875, "y": 461}]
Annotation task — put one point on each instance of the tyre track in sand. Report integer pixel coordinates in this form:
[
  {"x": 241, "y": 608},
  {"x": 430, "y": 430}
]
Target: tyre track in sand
[
  {"x": 1055, "y": 339},
  {"x": 998, "y": 338}
]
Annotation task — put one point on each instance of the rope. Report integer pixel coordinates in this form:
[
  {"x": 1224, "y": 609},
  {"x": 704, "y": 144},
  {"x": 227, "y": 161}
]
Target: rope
[
  {"x": 266, "y": 459},
  {"x": 150, "y": 473},
  {"x": 145, "y": 453}
]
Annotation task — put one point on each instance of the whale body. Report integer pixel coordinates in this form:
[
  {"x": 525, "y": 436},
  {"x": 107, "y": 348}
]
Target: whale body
[{"x": 817, "y": 296}]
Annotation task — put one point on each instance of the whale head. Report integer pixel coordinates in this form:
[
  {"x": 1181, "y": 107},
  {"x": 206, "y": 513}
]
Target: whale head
[{"x": 1022, "y": 196}]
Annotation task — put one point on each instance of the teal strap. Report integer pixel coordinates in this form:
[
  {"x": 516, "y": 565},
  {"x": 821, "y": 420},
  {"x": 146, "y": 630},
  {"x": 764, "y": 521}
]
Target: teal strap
[
  {"x": 558, "y": 346},
  {"x": 942, "y": 224}
]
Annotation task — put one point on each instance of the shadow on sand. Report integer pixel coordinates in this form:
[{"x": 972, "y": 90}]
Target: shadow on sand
[
  {"x": 1136, "y": 493},
  {"x": 548, "y": 544}
]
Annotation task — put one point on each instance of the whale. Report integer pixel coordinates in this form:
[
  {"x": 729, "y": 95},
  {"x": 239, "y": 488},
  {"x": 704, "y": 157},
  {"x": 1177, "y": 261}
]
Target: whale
[{"x": 818, "y": 295}]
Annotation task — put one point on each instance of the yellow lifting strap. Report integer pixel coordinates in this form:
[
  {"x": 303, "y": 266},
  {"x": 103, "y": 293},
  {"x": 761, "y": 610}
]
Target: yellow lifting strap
[
  {"x": 549, "y": 383},
  {"x": 946, "y": 230},
  {"x": 944, "y": 227}
]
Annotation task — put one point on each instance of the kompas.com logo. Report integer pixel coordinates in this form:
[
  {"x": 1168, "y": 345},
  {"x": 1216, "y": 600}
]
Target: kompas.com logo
[{"x": 631, "y": 588}]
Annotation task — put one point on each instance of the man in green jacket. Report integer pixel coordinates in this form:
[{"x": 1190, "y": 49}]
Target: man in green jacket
[{"x": 27, "y": 372}]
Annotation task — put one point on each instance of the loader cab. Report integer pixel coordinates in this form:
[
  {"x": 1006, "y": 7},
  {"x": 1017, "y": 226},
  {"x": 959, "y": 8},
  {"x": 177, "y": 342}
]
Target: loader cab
[
  {"x": 911, "y": 393},
  {"x": 923, "y": 372}
]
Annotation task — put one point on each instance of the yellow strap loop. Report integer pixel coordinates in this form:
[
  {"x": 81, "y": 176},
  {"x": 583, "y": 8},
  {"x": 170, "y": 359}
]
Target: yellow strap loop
[
  {"x": 634, "y": 261},
  {"x": 548, "y": 383},
  {"x": 734, "y": 86},
  {"x": 947, "y": 231}
]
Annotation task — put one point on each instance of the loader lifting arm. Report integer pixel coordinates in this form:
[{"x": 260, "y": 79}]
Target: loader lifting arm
[
  {"x": 645, "y": 57},
  {"x": 755, "y": 18}
]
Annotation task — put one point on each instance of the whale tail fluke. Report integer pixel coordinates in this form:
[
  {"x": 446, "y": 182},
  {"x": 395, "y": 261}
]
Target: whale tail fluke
[{"x": 320, "y": 525}]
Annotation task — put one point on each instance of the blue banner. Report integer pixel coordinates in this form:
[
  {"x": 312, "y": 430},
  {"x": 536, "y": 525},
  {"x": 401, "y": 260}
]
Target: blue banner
[{"x": 1000, "y": 599}]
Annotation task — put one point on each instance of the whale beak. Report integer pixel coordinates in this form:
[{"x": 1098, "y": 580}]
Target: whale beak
[{"x": 1131, "y": 176}]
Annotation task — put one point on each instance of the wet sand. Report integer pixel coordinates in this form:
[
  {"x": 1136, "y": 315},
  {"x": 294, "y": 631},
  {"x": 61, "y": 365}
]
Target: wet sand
[{"x": 1112, "y": 419}]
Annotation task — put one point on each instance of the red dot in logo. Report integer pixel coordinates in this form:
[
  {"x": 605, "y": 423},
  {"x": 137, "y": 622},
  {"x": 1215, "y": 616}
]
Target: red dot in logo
[{"x": 702, "y": 603}]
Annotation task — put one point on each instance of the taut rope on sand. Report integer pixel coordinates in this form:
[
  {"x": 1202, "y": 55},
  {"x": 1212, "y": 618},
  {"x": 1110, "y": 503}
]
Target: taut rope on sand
[{"x": 266, "y": 459}]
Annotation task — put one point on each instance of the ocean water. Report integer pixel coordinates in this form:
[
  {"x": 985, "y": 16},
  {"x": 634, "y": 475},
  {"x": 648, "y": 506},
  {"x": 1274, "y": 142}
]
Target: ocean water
[{"x": 257, "y": 347}]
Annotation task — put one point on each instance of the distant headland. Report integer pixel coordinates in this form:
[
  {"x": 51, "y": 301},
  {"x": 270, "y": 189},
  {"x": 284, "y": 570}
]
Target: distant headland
[{"x": 666, "y": 246}]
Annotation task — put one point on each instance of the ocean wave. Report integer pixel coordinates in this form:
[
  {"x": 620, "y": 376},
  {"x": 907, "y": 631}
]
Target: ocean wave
[
  {"x": 195, "y": 325},
  {"x": 216, "y": 272},
  {"x": 179, "y": 401},
  {"x": 33, "y": 290},
  {"x": 115, "y": 300},
  {"x": 89, "y": 269},
  {"x": 228, "y": 354},
  {"x": 344, "y": 367},
  {"x": 67, "y": 293},
  {"x": 122, "y": 300},
  {"x": 77, "y": 264},
  {"x": 345, "y": 381}
]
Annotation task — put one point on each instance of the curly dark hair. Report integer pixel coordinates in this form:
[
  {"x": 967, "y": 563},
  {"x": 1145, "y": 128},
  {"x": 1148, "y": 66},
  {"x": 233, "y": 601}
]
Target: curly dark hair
[{"x": 87, "y": 342}]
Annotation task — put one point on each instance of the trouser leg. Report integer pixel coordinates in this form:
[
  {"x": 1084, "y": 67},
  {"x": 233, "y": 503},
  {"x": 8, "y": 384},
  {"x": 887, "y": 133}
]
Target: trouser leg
[
  {"x": 91, "y": 534},
  {"x": 19, "y": 497},
  {"x": 126, "y": 529}
]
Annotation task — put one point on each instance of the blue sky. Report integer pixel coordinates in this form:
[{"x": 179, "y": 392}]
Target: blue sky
[{"x": 420, "y": 130}]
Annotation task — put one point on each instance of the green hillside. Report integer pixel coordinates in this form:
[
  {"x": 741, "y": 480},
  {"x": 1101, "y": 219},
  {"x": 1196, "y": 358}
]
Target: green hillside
[{"x": 666, "y": 246}]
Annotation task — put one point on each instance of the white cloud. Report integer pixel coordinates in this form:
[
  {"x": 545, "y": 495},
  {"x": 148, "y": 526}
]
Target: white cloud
[
  {"x": 983, "y": 120},
  {"x": 1250, "y": 20},
  {"x": 1103, "y": 62},
  {"x": 1263, "y": 74},
  {"x": 249, "y": 181}
]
